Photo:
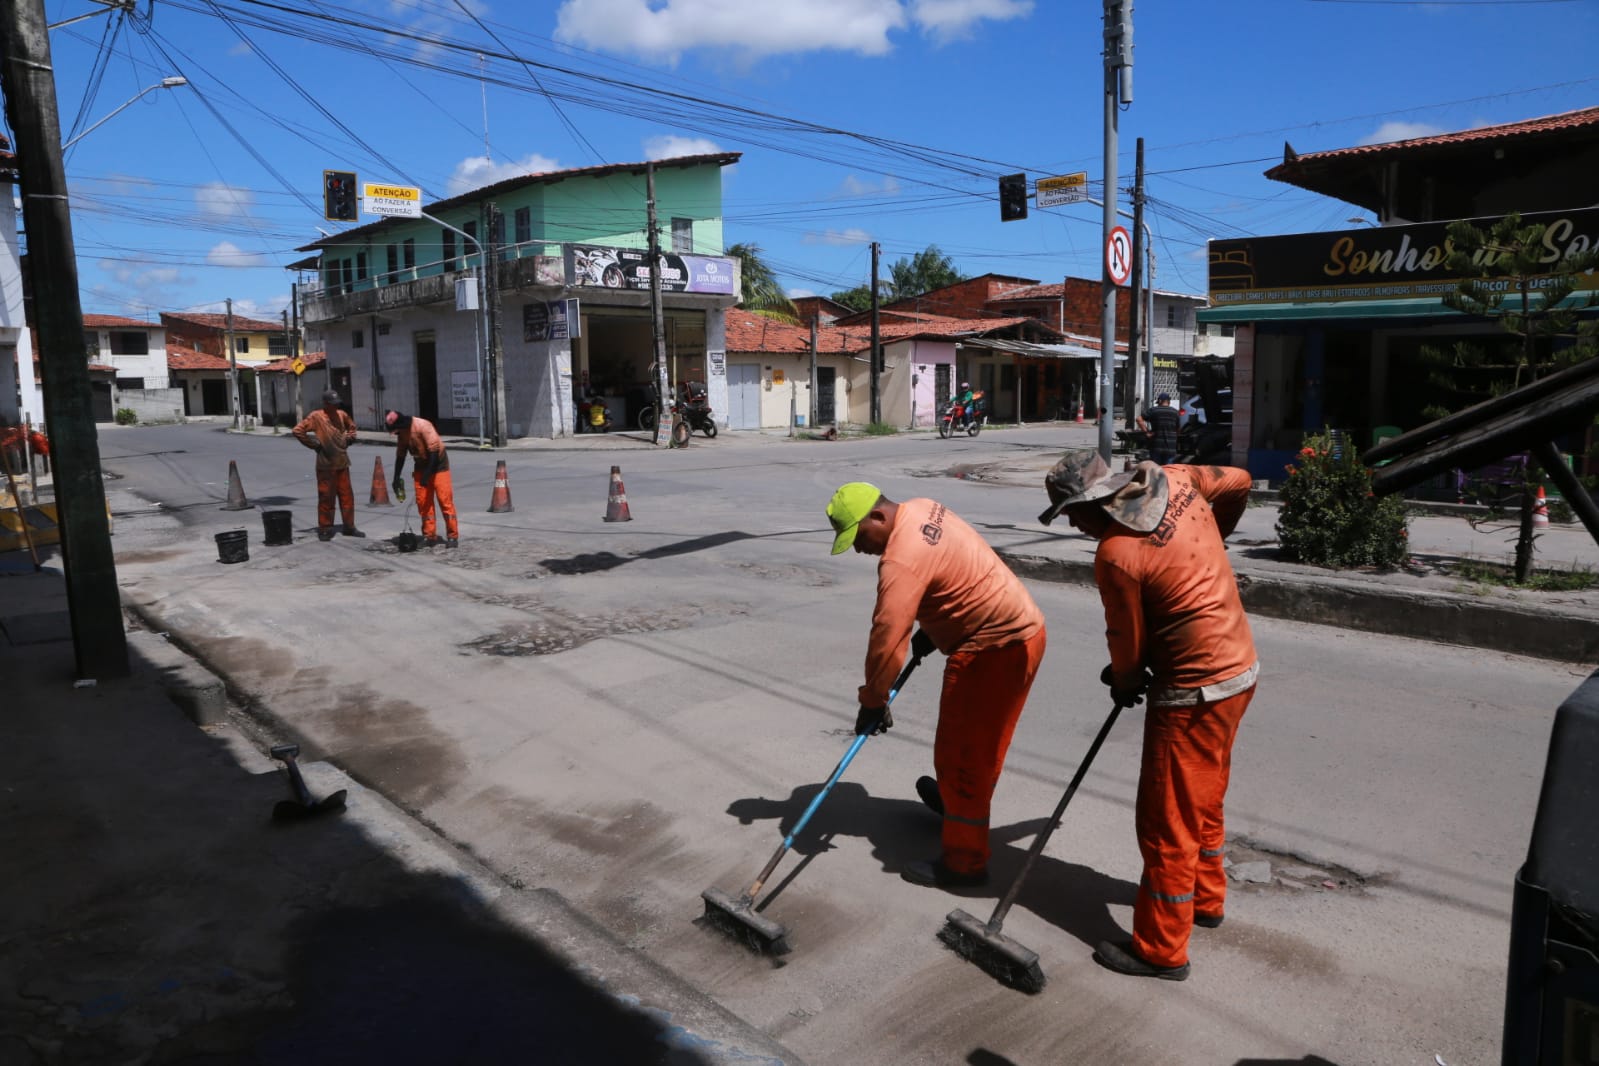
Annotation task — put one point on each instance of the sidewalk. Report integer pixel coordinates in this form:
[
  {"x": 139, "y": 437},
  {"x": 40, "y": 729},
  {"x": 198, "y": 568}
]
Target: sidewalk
[{"x": 154, "y": 913}]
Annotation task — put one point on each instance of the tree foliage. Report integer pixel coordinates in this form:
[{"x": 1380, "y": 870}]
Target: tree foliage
[
  {"x": 1329, "y": 516},
  {"x": 761, "y": 291},
  {"x": 925, "y": 271}
]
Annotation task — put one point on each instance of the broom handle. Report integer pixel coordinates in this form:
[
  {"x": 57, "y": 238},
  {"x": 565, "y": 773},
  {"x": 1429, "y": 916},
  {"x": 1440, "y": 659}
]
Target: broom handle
[
  {"x": 1054, "y": 822},
  {"x": 838, "y": 771}
]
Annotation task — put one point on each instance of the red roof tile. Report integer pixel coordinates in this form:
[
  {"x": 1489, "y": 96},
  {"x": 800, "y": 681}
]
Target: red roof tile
[
  {"x": 115, "y": 322},
  {"x": 101, "y": 368},
  {"x": 1528, "y": 128},
  {"x": 749, "y": 332},
  {"x": 181, "y": 358},
  {"x": 218, "y": 322},
  {"x": 281, "y": 366}
]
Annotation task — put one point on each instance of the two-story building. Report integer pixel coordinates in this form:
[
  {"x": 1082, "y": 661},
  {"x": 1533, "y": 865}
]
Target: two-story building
[
  {"x": 249, "y": 343},
  {"x": 566, "y": 302},
  {"x": 135, "y": 352},
  {"x": 20, "y": 395}
]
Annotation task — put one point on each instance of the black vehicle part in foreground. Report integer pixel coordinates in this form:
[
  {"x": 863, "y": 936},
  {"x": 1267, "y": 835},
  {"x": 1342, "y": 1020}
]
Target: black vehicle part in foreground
[
  {"x": 1552, "y": 982},
  {"x": 737, "y": 917},
  {"x": 983, "y": 943},
  {"x": 302, "y": 805}
]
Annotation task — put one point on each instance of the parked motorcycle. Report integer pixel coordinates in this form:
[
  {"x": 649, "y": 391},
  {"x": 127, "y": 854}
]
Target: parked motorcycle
[
  {"x": 593, "y": 416},
  {"x": 696, "y": 408},
  {"x": 956, "y": 417}
]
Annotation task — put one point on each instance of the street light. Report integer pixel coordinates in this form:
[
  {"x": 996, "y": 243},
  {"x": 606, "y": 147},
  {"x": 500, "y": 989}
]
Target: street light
[{"x": 165, "y": 83}]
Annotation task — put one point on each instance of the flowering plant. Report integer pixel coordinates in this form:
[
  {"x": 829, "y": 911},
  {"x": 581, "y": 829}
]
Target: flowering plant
[{"x": 1330, "y": 516}]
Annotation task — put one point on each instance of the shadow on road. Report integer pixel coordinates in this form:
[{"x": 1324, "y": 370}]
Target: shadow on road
[
  {"x": 594, "y": 562},
  {"x": 1074, "y": 898}
]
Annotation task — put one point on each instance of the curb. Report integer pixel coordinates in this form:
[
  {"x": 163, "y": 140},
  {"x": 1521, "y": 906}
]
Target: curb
[{"x": 1443, "y": 617}]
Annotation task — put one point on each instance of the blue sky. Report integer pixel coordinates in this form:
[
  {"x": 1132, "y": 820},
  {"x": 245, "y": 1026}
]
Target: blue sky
[{"x": 859, "y": 120}]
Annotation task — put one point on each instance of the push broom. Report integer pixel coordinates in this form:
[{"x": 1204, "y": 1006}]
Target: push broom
[
  {"x": 737, "y": 917},
  {"x": 983, "y": 943}
]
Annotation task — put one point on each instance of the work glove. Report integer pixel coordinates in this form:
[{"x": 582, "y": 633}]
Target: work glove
[
  {"x": 399, "y": 483},
  {"x": 1130, "y": 697},
  {"x": 870, "y": 721},
  {"x": 922, "y": 644}
]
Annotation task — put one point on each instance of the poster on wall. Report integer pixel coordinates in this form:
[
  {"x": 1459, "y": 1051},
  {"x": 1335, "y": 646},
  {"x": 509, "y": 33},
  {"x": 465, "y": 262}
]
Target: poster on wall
[
  {"x": 463, "y": 394},
  {"x": 718, "y": 361},
  {"x": 629, "y": 268},
  {"x": 555, "y": 320}
]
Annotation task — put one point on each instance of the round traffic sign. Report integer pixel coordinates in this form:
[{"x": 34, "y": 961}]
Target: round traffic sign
[{"x": 1119, "y": 255}]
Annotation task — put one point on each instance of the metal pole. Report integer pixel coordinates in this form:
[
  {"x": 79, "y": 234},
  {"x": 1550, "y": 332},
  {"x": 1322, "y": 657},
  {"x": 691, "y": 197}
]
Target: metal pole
[
  {"x": 234, "y": 400},
  {"x": 877, "y": 401},
  {"x": 480, "y": 326},
  {"x": 1107, "y": 321},
  {"x": 94, "y": 602},
  {"x": 297, "y": 348},
  {"x": 491, "y": 308},
  {"x": 1130, "y": 391},
  {"x": 811, "y": 423}
]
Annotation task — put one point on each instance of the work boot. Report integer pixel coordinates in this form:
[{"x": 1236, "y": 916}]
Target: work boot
[
  {"x": 927, "y": 789},
  {"x": 1209, "y": 921},
  {"x": 351, "y": 531},
  {"x": 1121, "y": 957},
  {"x": 324, "y": 534},
  {"x": 432, "y": 542},
  {"x": 936, "y": 874},
  {"x": 452, "y": 542}
]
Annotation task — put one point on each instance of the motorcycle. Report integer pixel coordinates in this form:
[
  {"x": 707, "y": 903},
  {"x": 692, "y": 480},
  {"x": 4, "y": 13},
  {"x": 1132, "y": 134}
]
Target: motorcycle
[
  {"x": 593, "y": 416},
  {"x": 696, "y": 409},
  {"x": 955, "y": 417},
  {"x": 598, "y": 267}
]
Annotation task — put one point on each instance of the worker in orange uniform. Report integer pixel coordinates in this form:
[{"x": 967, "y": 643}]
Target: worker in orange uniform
[
  {"x": 936, "y": 571},
  {"x": 1176, "y": 627},
  {"x": 431, "y": 477},
  {"x": 329, "y": 432}
]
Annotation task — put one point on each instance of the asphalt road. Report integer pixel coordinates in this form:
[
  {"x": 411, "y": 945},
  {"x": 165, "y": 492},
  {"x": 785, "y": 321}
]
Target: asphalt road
[{"x": 629, "y": 713}]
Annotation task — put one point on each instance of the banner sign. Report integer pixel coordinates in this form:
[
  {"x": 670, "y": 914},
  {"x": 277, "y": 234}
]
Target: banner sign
[
  {"x": 1388, "y": 263},
  {"x": 555, "y": 320},
  {"x": 629, "y": 268}
]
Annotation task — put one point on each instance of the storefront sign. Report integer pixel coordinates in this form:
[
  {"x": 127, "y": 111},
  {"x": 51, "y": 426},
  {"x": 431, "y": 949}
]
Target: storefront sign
[
  {"x": 718, "y": 361},
  {"x": 463, "y": 394},
  {"x": 555, "y": 320},
  {"x": 1389, "y": 263},
  {"x": 629, "y": 268}
]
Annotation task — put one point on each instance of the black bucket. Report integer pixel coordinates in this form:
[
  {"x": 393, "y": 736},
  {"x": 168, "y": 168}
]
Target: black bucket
[
  {"x": 279, "y": 527},
  {"x": 233, "y": 546},
  {"x": 408, "y": 541}
]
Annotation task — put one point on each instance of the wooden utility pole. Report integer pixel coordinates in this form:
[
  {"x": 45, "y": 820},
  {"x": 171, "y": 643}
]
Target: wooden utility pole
[
  {"x": 877, "y": 347},
  {"x": 93, "y": 603}
]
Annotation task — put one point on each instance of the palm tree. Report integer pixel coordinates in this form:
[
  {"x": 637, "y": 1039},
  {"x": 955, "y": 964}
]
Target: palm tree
[{"x": 762, "y": 293}]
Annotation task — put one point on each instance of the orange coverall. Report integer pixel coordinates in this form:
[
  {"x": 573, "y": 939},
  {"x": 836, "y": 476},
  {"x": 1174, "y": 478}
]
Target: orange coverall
[
  {"x": 333, "y": 438},
  {"x": 1171, "y": 605},
  {"x": 427, "y": 450},
  {"x": 938, "y": 572}
]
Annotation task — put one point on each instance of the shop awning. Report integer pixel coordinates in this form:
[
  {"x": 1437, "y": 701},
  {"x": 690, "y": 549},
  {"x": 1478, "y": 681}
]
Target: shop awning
[
  {"x": 1038, "y": 351},
  {"x": 1423, "y": 307}
]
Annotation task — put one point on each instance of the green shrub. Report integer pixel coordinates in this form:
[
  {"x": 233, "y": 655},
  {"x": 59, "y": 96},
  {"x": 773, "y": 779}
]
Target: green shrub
[
  {"x": 126, "y": 416},
  {"x": 880, "y": 429},
  {"x": 1329, "y": 516}
]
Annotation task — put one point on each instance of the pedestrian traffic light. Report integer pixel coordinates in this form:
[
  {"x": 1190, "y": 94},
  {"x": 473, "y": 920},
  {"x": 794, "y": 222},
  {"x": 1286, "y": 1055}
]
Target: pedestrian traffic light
[
  {"x": 338, "y": 195},
  {"x": 1012, "y": 197}
]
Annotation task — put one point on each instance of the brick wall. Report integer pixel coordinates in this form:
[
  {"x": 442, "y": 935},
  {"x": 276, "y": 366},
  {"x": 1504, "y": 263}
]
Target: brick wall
[{"x": 1084, "y": 308}]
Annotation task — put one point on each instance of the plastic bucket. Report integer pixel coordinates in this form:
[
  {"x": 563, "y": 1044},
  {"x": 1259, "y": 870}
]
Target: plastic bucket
[
  {"x": 279, "y": 527},
  {"x": 233, "y": 546}
]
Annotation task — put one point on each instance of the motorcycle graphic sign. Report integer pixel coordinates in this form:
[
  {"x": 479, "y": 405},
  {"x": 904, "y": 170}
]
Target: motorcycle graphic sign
[{"x": 629, "y": 268}]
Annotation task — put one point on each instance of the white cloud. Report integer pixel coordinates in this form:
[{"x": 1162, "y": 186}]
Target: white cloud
[
  {"x": 751, "y": 28},
  {"x": 946, "y": 20},
  {"x": 138, "y": 276},
  {"x": 853, "y": 186},
  {"x": 217, "y": 200},
  {"x": 264, "y": 311},
  {"x": 476, "y": 171},
  {"x": 228, "y": 255},
  {"x": 800, "y": 294},
  {"x": 670, "y": 145},
  {"x": 839, "y": 236},
  {"x": 1401, "y": 131},
  {"x": 241, "y": 49}
]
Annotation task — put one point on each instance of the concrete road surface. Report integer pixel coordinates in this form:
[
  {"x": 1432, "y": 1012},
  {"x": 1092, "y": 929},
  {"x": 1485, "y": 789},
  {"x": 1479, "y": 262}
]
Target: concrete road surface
[{"x": 629, "y": 713}]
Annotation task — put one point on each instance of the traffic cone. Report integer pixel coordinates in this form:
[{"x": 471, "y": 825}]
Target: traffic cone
[
  {"x": 1079, "y": 412},
  {"x": 236, "y": 500},
  {"x": 501, "y": 501},
  {"x": 616, "y": 503},
  {"x": 380, "y": 488},
  {"x": 1540, "y": 510}
]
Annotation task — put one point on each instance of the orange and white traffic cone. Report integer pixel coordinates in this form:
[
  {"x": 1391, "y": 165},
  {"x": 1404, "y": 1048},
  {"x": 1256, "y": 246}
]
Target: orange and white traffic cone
[
  {"x": 1079, "y": 412},
  {"x": 1540, "y": 510},
  {"x": 500, "y": 502},
  {"x": 236, "y": 499},
  {"x": 616, "y": 509},
  {"x": 380, "y": 488}
]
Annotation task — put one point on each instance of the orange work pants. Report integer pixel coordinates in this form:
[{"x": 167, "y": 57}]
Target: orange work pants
[
  {"x": 1188, "y": 754},
  {"x": 984, "y": 692},
  {"x": 330, "y": 483},
  {"x": 438, "y": 488}
]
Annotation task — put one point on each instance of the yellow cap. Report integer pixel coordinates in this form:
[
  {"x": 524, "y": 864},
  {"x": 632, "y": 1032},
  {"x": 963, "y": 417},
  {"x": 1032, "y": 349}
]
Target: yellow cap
[{"x": 849, "y": 505}]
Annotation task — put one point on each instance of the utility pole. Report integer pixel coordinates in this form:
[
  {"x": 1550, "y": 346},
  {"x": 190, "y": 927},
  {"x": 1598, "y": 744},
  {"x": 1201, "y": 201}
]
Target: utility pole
[
  {"x": 94, "y": 605},
  {"x": 491, "y": 294},
  {"x": 1130, "y": 391},
  {"x": 810, "y": 419},
  {"x": 877, "y": 400},
  {"x": 234, "y": 399},
  {"x": 663, "y": 405},
  {"x": 1118, "y": 87},
  {"x": 296, "y": 348}
]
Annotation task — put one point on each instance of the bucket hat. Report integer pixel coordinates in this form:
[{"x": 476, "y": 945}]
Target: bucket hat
[{"x": 1135, "y": 498}]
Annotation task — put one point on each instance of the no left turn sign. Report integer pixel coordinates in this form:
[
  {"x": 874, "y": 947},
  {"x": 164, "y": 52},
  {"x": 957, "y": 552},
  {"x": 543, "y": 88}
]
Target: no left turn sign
[{"x": 1119, "y": 255}]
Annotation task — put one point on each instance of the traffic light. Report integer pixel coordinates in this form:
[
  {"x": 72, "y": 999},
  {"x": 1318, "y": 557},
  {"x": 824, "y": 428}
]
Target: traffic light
[
  {"x": 1012, "y": 197},
  {"x": 338, "y": 195}
]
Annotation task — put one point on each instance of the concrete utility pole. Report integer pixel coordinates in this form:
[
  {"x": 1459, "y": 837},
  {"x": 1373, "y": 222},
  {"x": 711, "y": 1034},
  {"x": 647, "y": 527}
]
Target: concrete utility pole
[
  {"x": 811, "y": 417},
  {"x": 1118, "y": 87},
  {"x": 1130, "y": 392},
  {"x": 663, "y": 400},
  {"x": 877, "y": 346},
  {"x": 94, "y": 605},
  {"x": 235, "y": 401},
  {"x": 491, "y": 311},
  {"x": 296, "y": 349}
]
